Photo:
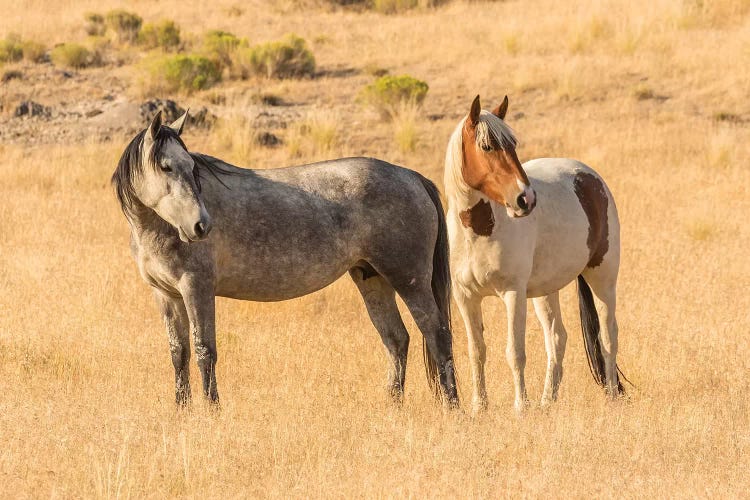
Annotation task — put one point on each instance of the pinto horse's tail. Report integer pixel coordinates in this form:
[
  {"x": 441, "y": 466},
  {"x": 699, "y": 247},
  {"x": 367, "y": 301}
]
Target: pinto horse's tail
[
  {"x": 441, "y": 283},
  {"x": 590, "y": 327}
]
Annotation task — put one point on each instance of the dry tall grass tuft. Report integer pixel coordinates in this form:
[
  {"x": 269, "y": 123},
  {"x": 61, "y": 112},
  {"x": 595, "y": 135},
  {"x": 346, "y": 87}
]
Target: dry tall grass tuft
[
  {"x": 405, "y": 126},
  {"x": 315, "y": 136}
]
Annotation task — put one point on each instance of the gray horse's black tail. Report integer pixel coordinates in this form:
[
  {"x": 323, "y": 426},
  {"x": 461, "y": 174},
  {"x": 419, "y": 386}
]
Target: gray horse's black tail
[
  {"x": 441, "y": 283},
  {"x": 590, "y": 326}
]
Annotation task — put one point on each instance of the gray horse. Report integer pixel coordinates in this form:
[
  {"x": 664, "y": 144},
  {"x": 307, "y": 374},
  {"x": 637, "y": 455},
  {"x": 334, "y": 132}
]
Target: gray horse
[{"x": 200, "y": 228}]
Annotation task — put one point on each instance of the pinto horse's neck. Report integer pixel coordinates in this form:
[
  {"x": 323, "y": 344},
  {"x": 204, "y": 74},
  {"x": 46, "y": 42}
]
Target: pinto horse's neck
[{"x": 472, "y": 207}]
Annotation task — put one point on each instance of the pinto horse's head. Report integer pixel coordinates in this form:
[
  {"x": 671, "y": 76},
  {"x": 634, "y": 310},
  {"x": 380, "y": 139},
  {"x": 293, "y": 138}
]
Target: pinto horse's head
[
  {"x": 490, "y": 164},
  {"x": 157, "y": 171}
]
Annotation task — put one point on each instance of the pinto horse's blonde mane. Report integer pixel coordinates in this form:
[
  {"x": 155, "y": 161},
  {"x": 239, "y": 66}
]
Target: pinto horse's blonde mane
[{"x": 489, "y": 128}]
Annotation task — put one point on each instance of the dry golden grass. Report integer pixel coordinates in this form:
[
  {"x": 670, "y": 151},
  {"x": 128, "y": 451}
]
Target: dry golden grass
[{"x": 86, "y": 402}]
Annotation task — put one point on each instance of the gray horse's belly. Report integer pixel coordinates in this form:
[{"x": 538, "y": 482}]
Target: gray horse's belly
[
  {"x": 283, "y": 270},
  {"x": 279, "y": 282}
]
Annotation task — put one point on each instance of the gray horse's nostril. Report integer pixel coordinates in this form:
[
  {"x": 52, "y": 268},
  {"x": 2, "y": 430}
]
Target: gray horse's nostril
[
  {"x": 200, "y": 229},
  {"x": 521, "y": 201}
]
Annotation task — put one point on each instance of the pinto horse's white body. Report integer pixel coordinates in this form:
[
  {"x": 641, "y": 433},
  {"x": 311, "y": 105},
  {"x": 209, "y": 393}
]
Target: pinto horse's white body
[{"x": 573, "y": 231}]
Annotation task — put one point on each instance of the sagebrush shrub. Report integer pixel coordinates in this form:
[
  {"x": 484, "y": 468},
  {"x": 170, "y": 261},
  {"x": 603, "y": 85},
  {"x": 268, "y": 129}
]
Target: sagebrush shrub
[
  {"x": 126, "y": 25},
  {"x": 396, "y": 6},
  {"x": 220, "y": 46},
  {"x": 95, "y": 24},
  {"x": 183, "y": 72},
  {"x": 73, "y": 55},
  {"x": 389, "y": 92},
  {"x": 11, "y": 49},
  {"x": 286, "y": 58},
  {"x": 33, "y": 51},
  {"x": 164, "y": 35}
]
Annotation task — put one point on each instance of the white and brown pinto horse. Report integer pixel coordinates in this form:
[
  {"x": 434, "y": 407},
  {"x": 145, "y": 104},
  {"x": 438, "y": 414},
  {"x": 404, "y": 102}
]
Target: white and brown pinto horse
[{"x": 527, "y": 231}]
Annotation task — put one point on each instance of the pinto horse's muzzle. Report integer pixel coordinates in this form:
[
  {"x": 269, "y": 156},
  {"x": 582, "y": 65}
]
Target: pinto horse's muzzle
[{"x": 524, "y": 204}]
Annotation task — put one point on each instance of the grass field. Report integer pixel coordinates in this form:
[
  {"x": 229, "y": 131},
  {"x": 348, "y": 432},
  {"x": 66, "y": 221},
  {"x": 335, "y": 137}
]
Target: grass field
[{"x": 653, "y": 94}]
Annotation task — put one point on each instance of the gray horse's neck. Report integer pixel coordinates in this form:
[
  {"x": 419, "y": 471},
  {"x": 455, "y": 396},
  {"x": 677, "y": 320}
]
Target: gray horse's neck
[{"x": 143, "y": 219}]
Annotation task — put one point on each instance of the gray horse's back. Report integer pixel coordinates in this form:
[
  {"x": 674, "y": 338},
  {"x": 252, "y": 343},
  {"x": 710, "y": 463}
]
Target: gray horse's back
[{"x": 327, "y": 217}]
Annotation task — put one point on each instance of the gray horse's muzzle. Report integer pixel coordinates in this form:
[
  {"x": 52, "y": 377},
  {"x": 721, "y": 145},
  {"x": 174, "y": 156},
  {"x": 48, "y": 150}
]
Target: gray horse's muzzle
[
  {"x": 199, "y": 231},
  {"x": 202, "y": 227}
]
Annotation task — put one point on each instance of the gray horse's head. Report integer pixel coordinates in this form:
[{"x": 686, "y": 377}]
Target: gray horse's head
[{"x": 157, "y": 170}]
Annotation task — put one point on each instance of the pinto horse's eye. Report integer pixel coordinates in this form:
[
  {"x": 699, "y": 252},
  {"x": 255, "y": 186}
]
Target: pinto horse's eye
[{"x": 486, "y": 148}]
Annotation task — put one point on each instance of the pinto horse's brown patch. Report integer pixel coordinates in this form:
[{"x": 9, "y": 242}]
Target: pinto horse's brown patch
[
  {"x": 479, "y": 218},
  {"x": 593, "y": 198}
]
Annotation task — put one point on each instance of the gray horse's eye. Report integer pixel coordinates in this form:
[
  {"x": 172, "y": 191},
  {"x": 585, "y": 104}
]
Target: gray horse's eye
[{"x": 165, "y": 168}]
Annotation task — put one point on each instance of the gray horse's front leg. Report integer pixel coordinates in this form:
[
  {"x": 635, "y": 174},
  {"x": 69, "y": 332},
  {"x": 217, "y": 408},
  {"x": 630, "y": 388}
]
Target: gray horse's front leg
[
  {"x": 199, "y": 299},
  {"x": 178, "y": 331}
]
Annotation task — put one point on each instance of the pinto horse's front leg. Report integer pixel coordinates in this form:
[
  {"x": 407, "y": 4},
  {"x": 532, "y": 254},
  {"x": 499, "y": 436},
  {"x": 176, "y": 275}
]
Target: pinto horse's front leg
[
  {"x": 515, "y": 303},
  {"x": 178, "y": 331},
  {"x": 199, "y": 297},
  {"x": 471, "y": 310}
]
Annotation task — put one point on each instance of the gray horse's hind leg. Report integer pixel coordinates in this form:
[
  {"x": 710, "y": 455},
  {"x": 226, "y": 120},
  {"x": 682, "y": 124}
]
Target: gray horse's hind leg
[
  {"x": 421, "y": 303},
  {"x": 198, "y": 294},
  {"x": 380, "y": 300},
  {"x": 178, "y": 331}
]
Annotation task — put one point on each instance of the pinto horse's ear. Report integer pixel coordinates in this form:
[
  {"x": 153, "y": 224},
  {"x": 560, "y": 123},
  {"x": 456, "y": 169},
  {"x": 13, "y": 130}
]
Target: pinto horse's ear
[
  {"x": 153, "y": 129},
  {"x": 476, "y": 108},
  {"x": 179, "y": 123},
  {"x": 501, "y": 110}
]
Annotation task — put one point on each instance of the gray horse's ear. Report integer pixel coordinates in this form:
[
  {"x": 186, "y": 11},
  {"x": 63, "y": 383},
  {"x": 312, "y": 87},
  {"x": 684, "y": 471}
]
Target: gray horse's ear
[
  {"x": 179, "y": 123},
  {"x": 501, "y": 110},
  {"x": 476, "y": 108},
  {"x": 153, "y": 129}
]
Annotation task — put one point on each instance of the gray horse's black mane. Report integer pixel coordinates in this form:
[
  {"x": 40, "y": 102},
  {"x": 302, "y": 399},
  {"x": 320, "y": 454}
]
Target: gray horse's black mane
[{"x": 130, "y": 165}]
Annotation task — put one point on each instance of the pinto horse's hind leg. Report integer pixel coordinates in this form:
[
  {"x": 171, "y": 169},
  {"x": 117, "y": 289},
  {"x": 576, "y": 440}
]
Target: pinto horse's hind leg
[
  {"x": 555, "y": 337},
  {"x": 380, "y": 300},
  {"x": 178, "y": 331},
  {"x": 603, "y": 285}
]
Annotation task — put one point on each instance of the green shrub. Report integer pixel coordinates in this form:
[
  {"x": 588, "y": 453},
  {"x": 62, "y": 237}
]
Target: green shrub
[
  {"x": 11, "y": 49},
  {"x": 95, "y": 24},
  {"x": 126, "y": 25},
  {"x": 165, "y": 35},
  {"x": 393, "y": 6},
  {"x": 389, "y": 92},
  {"x": 186, "y": 73},
  {"x": 345, "y": 3},
  {"x": 287, "y": 58},
  {"x": 73, "y": 55},
  {"x": 33, "y": 51},
  {"x": 220, "y": 46}
]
